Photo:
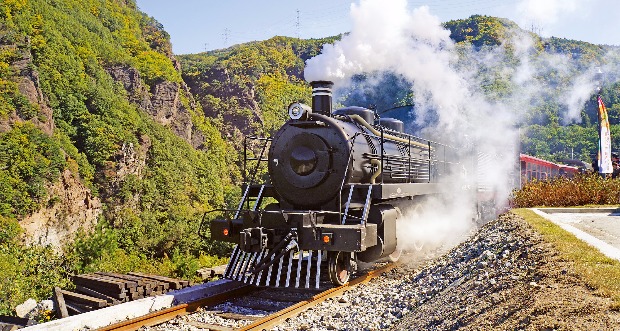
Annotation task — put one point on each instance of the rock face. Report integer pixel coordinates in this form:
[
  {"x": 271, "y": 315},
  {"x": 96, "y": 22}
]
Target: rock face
[
  {"x": 162, "y": 102},
  {"x": 27, "y": 80},
  {"x": 71, "y": 206},
  {"x": 237, "y": 124},
  {"x": 130, "y": 161}
]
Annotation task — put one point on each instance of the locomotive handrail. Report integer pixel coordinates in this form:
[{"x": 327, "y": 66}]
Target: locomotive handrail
[
  {"x": 259, "y": 212},
  {"x": 260, "y": 159},
  {"x": 344, "y": 178},
  {"x": 363, "y": 122}
]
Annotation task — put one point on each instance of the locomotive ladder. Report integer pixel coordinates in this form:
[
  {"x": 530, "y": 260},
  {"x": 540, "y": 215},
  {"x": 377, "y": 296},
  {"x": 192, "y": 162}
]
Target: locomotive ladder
[
  {"x": 245, "y": 197},
  {"x": 366, "y": 209}
]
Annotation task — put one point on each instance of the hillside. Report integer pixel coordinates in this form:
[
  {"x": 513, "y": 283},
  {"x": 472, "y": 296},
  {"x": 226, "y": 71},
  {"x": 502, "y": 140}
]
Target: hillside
[
  {"x": 246, "y": 88},
  {"x": 98, "y": 135},
  {"x": 231, "y": 84}
]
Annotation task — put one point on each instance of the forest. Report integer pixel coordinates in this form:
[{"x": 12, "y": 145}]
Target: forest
[{"x": 90, "y": 90}]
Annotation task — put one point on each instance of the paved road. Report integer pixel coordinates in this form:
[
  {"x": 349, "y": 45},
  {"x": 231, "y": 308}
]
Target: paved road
[{"x": 600, "y": 227}]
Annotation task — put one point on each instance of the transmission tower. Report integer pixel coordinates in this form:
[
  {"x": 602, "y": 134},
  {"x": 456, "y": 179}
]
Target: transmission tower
[
  {"x": 226, "y": 34},
  {"x": 297, "y": 24}
]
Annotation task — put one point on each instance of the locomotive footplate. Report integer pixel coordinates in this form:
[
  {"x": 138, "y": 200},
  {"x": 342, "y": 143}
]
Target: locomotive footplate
[
  {"x": 311, "y": 236},
  {"x": 331, "y": 237},
  {"x": 326, "y": 237}
]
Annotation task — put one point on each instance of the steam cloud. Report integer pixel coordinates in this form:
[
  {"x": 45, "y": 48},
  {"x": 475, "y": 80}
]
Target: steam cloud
[{"x": 450, "y": 104}]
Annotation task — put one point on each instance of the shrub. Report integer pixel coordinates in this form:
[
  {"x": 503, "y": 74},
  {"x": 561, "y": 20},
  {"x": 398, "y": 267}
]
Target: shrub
[
  {"x": 29, "y": 160},
  {"x": 154, "y": 66},
  {"x": 9, "y": 229},
  {"x": 583, "y": 189},
  {"x": 29, "y": 272}
]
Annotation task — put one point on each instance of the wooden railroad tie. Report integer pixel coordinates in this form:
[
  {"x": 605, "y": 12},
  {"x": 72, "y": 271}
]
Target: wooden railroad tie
[{"x": 102, "y": 289}]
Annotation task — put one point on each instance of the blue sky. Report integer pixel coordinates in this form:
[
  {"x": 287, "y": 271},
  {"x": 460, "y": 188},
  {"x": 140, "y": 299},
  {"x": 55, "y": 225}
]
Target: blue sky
[{"x": 199, "y": 25}]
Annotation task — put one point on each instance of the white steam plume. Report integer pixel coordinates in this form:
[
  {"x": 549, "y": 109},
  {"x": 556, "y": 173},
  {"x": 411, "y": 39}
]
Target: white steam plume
[
  {"x": 451, "y": 104},
  {"x": 388, "y": 37}
]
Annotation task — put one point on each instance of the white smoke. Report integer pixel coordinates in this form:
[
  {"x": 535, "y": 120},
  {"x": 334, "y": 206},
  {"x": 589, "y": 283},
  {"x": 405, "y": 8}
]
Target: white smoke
[
  {"x": 450, "y": 102},
  {"x": 526, "y": 78},
  {"x": 547, "y": 14},
  {"x": 432, "y": 224},
  {"x": 388, "y": 37},
  {"x": 576, "y": 96}
]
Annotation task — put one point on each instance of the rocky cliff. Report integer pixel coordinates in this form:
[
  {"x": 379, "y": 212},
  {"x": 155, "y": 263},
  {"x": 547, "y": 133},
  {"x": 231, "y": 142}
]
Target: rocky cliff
[
  {"x": 70, "y": 204},
  {"x": 163, "y": 102}
]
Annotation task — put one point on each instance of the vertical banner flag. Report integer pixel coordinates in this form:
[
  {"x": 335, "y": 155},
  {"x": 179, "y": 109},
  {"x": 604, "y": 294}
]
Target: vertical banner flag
[{"x": 604, "y": 145}]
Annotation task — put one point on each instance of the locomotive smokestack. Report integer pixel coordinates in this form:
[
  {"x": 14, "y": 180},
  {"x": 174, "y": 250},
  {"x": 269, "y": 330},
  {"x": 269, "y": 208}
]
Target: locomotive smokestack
[{"x": 322, "y": 97}]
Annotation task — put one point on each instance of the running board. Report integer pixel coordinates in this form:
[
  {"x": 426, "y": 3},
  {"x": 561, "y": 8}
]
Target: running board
[{"x": 293, "y": 269}]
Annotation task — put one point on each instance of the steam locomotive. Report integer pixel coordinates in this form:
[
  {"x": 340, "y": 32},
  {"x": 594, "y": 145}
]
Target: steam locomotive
[{"x": 335, "y": 185}]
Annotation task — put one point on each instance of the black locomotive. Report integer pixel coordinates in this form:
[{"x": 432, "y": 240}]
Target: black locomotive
[{"x": 335, "y": 180}]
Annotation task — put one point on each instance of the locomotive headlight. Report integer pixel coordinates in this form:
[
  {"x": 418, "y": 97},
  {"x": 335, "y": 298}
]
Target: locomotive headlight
[{"x": 298, "y": 110}]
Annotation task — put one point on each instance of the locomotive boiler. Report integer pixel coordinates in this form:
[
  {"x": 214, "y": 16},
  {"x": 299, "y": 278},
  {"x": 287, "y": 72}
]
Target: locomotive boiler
[{"x": 332, "y": 194}]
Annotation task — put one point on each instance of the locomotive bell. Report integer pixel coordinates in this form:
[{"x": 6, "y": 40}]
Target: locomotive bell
[{"x": 322, "y": 97}]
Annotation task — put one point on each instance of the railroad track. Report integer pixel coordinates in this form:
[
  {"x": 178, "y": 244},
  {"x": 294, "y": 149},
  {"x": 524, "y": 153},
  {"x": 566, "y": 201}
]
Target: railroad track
[{"x": 284, "y": 303}]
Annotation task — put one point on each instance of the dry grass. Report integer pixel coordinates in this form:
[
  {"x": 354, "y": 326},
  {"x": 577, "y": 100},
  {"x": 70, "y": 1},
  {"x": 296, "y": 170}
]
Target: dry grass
[
  {"x": 597, "y": 270},
  {"x": 581, "y": 190}
]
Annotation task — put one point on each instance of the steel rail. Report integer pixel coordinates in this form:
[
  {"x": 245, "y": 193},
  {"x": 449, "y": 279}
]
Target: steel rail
[
  {"x": 165, "y": 315},
  {"x": 278, "y": 317}
]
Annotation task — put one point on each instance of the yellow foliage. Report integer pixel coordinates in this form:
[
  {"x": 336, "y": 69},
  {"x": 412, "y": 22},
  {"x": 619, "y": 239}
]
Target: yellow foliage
[
  {"x": 94, "y": 9},
  {"x": 15, "y": 4},
  {"x": 72, "y": 165}
]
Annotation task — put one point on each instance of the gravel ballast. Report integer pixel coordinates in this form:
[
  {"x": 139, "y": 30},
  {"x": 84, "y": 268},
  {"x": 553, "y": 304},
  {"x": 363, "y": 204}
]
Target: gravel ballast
[{"x": 505, "y": 277}]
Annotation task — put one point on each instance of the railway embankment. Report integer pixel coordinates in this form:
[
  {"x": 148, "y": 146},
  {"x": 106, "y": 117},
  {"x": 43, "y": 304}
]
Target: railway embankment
[{"x": 519, "y": 272}]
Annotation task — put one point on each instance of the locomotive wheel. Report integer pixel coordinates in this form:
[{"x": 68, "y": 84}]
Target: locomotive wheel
[{"x": 339, "y": 267}]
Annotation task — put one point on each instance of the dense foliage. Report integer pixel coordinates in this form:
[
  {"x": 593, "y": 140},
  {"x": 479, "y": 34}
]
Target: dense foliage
[
  {"x": 584, "y": 189},
  {"x": 480, "y": 30},
  {"x": 69, "y": 46},
  {"x": 30, "y": 158}
]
